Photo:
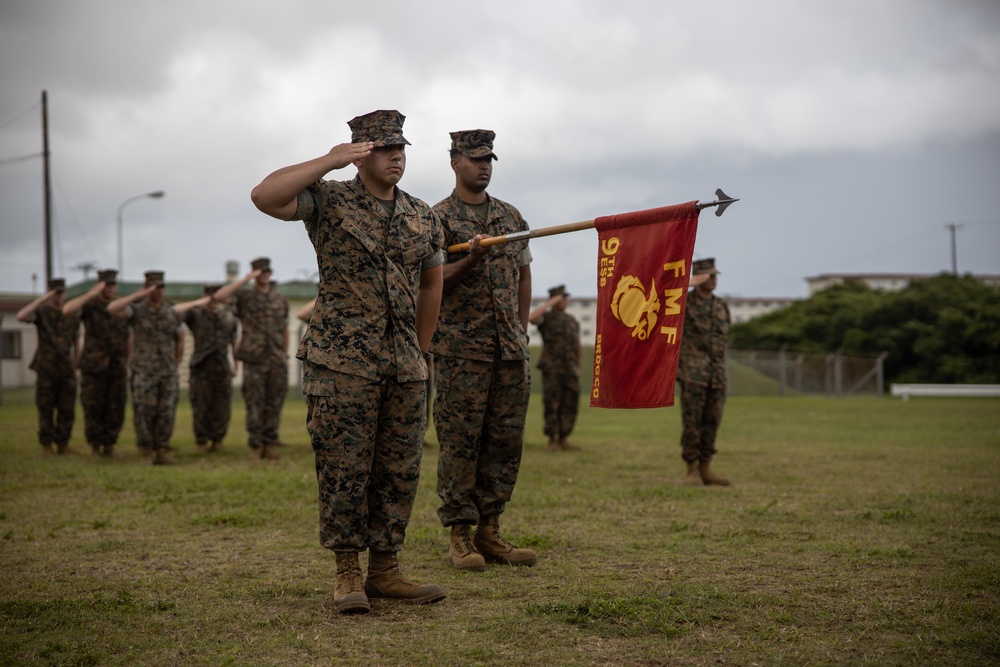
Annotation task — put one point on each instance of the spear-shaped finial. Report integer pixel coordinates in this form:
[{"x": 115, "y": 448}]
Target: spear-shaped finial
[{"x": 722, "y": 202}]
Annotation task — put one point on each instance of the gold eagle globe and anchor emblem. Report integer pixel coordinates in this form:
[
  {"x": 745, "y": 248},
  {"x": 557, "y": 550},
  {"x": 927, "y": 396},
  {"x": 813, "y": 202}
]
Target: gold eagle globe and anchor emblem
[{"x": 633, "y": 307}]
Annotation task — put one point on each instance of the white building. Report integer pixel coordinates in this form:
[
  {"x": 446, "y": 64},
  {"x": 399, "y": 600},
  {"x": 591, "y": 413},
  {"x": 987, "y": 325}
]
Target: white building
[
  {"x": 584, "y": 309},
  {"x": 745, "y": 308},
  {"x": 882, "y": 282}
]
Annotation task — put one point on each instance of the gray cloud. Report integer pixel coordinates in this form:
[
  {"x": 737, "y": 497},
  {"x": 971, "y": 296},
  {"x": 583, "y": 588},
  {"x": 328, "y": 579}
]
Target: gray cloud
[{"x": 853, "y": 131}]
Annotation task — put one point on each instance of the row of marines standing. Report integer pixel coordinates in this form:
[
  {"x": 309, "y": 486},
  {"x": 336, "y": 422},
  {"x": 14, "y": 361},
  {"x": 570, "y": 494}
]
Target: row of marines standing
[{"x": 137, "y": 340}]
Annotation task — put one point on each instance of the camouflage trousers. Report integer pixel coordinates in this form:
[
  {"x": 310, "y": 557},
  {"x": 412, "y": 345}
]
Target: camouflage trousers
[
  {"x": 701, "y": 410},
  {"x": 561, "y": 398},
  {"x": 479, "y": 414},
  {"x": 264, "y": 388},
  {"x": 211, "y": 392},
  {"x": 55, "y": 398},
  {"x": 368, "y": 439},
  {"x": 103, "y": 396},
  {"x": 154, "y": 402}
]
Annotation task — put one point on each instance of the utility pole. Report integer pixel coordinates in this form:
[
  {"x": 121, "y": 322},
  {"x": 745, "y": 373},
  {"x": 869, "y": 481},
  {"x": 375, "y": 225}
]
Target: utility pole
[
  {"x": 953, "y": 226},
  {"x": 86, "y": 267},
  {"x": 48, "y": 187}
]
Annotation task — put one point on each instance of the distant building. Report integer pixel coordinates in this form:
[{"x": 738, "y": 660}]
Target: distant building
[
  {"x": 745, "y": 308},
  {"x": 18, "y": 342},
  {"x": 883, "y": 282},
  {"x": 584, "y": 309}
]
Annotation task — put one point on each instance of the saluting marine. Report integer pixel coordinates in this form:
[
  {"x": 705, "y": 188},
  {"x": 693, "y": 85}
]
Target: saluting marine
[
  {"x": 364, "y": 353},
  {"x": 263, "y": 349},
  {"x": 54, "y": 364},
  {"x": 701, "y": 373},
  {"x": 102, "y": 363},
  {"x": 210, "y": 374},
  {"x": 157, "y": 348},
  {"x": 560, "y": 366}
]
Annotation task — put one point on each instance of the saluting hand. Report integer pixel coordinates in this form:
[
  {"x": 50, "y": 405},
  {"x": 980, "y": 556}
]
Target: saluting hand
[
  {"x": 345, "y": 154},
  {"x": 699, "y": 279}
]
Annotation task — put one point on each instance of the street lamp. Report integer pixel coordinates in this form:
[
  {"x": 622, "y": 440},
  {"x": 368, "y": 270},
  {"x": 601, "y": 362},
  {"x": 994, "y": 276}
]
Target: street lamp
[{"x": 121, "y": 263}]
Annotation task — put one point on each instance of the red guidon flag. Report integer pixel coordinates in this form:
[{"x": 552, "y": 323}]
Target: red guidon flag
[{"x": 642, "y": 281}]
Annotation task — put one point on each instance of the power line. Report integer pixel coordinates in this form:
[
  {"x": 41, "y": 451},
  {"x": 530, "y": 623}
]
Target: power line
[
  {"x": 972, "y": 223},
  {"x": 72, "y": 214},
  {"x": 12, "y": 160},
  {"x": 20, "y": 115},
  {"x": 86, "y": 267},
  {"x": 881, "y": 250},
  {"x": 896, "y": 245}
]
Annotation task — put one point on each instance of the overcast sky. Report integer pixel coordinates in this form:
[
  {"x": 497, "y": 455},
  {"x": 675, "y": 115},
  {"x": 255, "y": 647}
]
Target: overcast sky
[{"x": 853, "y": 131}]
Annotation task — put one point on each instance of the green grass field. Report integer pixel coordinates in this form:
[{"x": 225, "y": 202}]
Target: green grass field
[{"x": 858, "y": 531}]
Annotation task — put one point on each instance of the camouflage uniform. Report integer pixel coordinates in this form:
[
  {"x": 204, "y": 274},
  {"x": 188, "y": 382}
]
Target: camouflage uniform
[
  {"x": 211, "y": 377},
  {"x": 264, "y": 316},
  {"x": 154, "y": 373},
  {"x": 55, "y": 367},
  {"x": 560, "y": 366},
  {"x": 481, "y": 368},
  {"x": 701, "y": 372},
  {"x": 365, "y": 377},
  {"x": 102, "y": 372}
]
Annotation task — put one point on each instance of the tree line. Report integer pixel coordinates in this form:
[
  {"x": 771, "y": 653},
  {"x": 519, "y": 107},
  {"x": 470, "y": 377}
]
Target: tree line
[{"x": 944, "y": 329}]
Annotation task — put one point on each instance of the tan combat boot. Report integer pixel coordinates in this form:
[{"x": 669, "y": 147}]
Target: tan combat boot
[
  {"x": 162, "y": 457},
  {"x": 385, "y": 581},
  {"x": 462, "y": 552},
  {"x": 270, "y": 452},
  {"x": 554, "y": 444},
  {"x": 349, "y": 595},
  {"x": 495, "y": 549},
  {"x": 693, "y": 477},
  {"x": 47, "y": 449},
  {"x": 709, "y": 477}
]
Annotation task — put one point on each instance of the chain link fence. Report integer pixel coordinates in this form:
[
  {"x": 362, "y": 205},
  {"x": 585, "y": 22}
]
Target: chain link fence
[{"x": 786, "y": 373}]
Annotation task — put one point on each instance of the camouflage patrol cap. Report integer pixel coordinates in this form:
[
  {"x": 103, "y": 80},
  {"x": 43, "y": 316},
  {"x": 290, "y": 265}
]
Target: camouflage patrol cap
[
  {"x": 261, "y": 264},
  {"x": 109, "y": 276},
  {"x": 382, "y": 128},
  {"x": 57, "y": 284},
  {"x": 154, "y": 278},
  {"x": 704, "y": 266},
  {"x": 474, "y": 143},
  {"x": 210, "y": 290},
  {"x": 558, "y": 290}
]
